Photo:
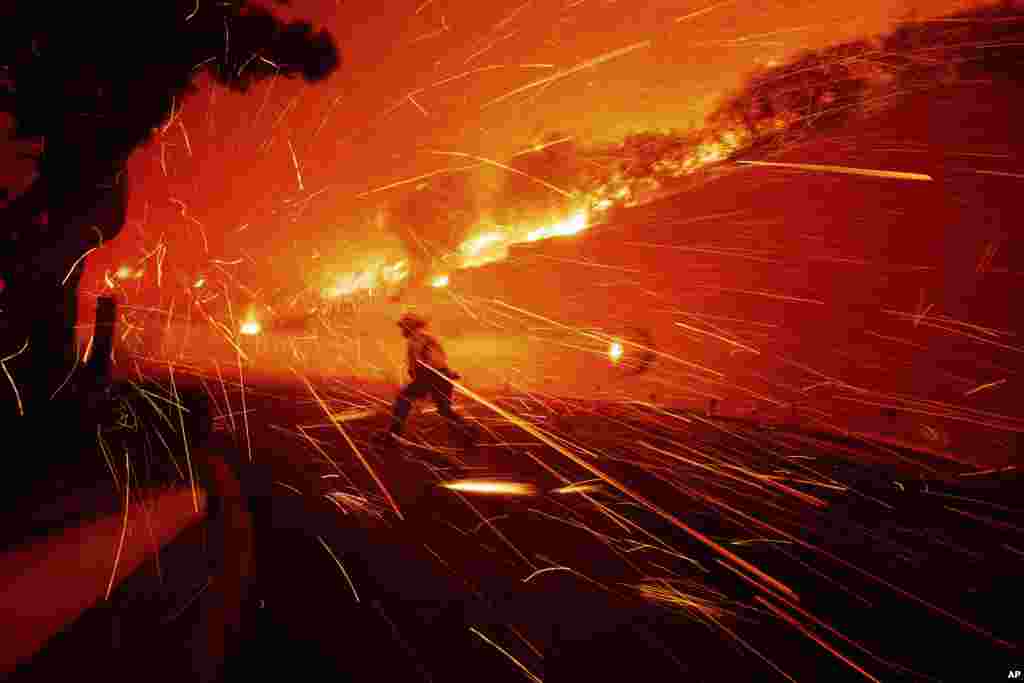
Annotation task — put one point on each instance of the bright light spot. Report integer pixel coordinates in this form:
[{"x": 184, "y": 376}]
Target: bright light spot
[
  {"x": 440, "y": 281},
  {"x": 395, "y": 272},
  {"x": 571, "y": 226},
  {"x": 615, "y": 351},
  {"x": 200, "y": 283},
  {"x": 483, "y": 249},
  {"x": 508, "y": 488},
  {"x": 473, "y": 247},
  {"x": 128, "y": 273},
  {"x": 369, "y": 278},
  {"x": 250, "y": 327}
]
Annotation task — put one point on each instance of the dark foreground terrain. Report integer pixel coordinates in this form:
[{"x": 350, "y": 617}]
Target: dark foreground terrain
[{"x": 696, "y": 548}]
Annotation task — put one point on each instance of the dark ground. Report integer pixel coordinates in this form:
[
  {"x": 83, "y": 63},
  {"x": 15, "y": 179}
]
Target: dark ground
[{"x": 423, "y": 583}]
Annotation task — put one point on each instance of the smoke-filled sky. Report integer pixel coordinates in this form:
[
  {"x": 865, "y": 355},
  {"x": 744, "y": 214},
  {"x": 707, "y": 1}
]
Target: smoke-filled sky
[{"x": 277, "y": 173}]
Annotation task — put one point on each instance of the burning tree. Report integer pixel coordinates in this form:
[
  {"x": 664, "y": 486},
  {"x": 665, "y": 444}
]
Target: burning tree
[
  {"x": 823, "y": 88},
  {"x": 91, "y": 82}
]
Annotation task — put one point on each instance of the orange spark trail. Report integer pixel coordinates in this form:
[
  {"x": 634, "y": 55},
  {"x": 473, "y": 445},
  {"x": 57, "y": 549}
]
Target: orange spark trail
[
  {"x": 340, "y": 566},
  {"x": 506, "y": 167},
  {"x": 359, "y": 455},
  {"x": 835, "y": 558},
  {"x": 14, "y": 385},
  {"x": 669, "y": 517},
  {"x": 705, "y": 10},
  {"x": 295, "y": 163},
  {"x": 184, "y": 440},
  {"x": 124, "y": 525},
  {"x": 507, "y": 654},
  {"x": 603, "y": 340},
  {"x": 800, "y": 627},
  {"x": 876, "y": 173},
  {"x": 600, "y": 59}
]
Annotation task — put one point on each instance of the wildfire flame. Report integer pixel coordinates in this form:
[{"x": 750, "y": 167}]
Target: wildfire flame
[
  {"x": 369, "y": 278},
  {"x": 615, "y": 351},
  {"x": 577, "y": 223},
  {"x": 492, "y": 245},
  {"x": 250, "y": 328}
]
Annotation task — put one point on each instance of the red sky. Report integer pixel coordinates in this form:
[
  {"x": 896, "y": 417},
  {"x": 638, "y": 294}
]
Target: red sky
[{"x": 230, "y": 160}]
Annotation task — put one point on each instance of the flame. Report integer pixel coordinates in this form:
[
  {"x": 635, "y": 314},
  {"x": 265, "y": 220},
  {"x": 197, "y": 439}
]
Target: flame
[
  {"x": 250, "y": 328},
  {"x": 370, "y": 277},
  {"x": 492, "y": 245},
  {"x": 571, "y": 226},
  {"x": 510, "y": 488},
  {"x": 615, "y": 351}
]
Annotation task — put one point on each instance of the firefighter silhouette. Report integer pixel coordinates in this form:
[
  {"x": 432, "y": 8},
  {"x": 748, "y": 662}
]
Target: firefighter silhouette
[{"x": 431, "y": 376}]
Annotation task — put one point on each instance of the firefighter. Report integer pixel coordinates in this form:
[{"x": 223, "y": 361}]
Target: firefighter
[{"x": 431, "y": 376}]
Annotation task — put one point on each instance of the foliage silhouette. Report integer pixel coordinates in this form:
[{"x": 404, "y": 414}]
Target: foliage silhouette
[{"x": 92, "y": 82}]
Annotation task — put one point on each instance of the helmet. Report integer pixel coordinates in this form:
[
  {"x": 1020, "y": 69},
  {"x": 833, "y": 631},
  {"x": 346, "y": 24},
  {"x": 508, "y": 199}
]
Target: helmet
[{"x": 411, "y": 321}]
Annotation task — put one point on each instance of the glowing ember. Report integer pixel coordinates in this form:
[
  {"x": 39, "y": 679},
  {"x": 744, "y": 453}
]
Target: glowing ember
[
  {"x": 508, "y": 488},
  {"x": 250, "y": 328},
  {"x": 128, "y": 273},
  {"x": 615, "y": 351},
  {"x": 440, "y": 281},
  {"x": 579, "y": 488}
]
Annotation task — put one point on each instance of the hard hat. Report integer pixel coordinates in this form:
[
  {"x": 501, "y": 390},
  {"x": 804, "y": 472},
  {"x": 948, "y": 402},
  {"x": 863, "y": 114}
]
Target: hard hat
[{"x": 411, "y": 321}]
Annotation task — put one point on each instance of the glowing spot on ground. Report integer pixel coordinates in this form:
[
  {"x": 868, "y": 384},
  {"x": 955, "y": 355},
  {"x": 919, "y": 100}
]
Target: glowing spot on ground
[
  {"x": 506, "y": 488},
  {"x": 615, "y": 351},
  {"x": 250, "y": 328},
  {"x": 440, "y": 281}
]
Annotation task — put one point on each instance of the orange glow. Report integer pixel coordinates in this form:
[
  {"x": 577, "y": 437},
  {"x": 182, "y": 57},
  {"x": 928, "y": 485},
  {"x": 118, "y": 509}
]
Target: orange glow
[
  {"x": 128, "y": 273},
  {"x": 615, "y": 351},
  {"x": 440, "y": 281},
  {"x": 473, "y": 247},
  {"x": 250, "y": 328},
  {"x": 571, "y": 226},
  {"x": 508, "y": 488},
  {"x": 370, "y": 277},
  {"x": 578, "y": 488}
]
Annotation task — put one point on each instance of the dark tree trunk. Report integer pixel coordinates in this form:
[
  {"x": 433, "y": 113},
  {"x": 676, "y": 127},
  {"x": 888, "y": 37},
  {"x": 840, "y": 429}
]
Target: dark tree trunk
[{"x": 56, "y": 223}]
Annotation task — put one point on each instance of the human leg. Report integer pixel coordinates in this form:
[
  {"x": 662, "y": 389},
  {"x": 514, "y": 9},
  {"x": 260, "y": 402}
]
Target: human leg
[
  {"x": 441, "y": 392},
  {"x": 403, "y": 404}
]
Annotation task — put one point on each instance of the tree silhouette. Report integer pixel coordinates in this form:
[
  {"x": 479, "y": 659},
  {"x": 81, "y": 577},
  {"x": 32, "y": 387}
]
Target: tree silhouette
[{"x": 92, "y": 82}]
